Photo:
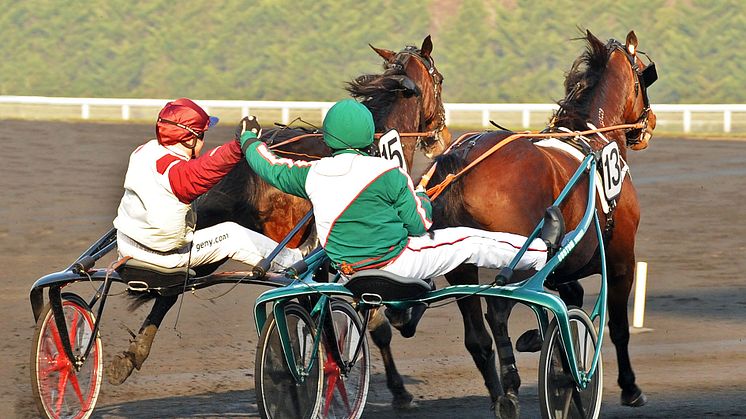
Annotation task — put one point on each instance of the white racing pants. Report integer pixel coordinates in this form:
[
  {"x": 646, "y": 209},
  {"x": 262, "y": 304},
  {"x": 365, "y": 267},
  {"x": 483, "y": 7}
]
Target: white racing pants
[
  {"x": 426, "y": 257},
  {"x": 212, "y": 244}
]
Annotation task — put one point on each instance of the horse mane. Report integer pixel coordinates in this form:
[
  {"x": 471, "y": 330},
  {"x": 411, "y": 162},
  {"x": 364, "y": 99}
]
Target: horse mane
[
  {"x": 580, "y": 83},
  {"x": 378, "y": 92}
]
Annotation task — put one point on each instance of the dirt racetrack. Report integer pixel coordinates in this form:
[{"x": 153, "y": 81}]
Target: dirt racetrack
[{"x": 61, "y": 183}]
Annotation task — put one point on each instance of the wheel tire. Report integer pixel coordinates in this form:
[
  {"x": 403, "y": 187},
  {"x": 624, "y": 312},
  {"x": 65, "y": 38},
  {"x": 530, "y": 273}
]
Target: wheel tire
[
  {"x": 559, "y": 396},
  {"x": 59, "y": 391},
  {"x": 344, "y": 395},
  {"x": 278, "y": 395}
]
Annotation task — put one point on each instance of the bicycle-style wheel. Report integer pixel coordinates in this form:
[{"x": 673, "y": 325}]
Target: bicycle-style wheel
[
  {"x": 345, "y": 386},
  {"x": 559, "y": 396},
  {"x": 59, "y": 390},
  {"x": 278, "y": 393}
]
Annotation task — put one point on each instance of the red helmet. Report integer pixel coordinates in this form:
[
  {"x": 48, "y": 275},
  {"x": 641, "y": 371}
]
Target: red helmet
[{"x": 182, "y": 120}]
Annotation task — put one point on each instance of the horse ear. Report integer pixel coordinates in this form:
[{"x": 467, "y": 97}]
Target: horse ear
[
  {"x": 386, "y": 54},
  {"x": 427, "y": 47},
  {"x": 631, "y": 44}
]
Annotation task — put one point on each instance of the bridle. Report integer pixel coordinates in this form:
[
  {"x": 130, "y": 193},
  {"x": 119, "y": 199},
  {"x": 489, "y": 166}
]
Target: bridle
[
  {"x": 398, "y": 66},
  {"x": 643, "y": 80}
]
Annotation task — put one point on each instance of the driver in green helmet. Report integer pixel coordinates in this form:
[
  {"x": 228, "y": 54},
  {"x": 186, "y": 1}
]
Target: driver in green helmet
[{"x": 368, "y": 214}]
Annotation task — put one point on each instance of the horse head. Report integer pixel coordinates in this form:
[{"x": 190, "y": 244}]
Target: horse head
[
  {"x": 607, "y": 85},
  {"x": 407, "y": 96}
]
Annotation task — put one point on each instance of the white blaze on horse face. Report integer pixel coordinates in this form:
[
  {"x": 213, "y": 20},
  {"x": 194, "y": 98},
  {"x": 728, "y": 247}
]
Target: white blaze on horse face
[{"x": 631, "y": 49}]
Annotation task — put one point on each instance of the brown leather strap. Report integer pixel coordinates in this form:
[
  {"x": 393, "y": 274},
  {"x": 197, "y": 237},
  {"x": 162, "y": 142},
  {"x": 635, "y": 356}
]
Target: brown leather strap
[{"x": 436, "y": 190}]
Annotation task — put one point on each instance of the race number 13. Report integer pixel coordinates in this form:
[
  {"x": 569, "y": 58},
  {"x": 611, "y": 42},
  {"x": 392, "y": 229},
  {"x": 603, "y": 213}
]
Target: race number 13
[
  {"x": 390, "y": 147},
  {"x": 613, "y": 174}
]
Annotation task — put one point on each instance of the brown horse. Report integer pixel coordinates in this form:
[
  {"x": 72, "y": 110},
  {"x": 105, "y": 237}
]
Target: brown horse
[
  {"x": 406, "y": 96},
  {"x": 511, "y": 188}
]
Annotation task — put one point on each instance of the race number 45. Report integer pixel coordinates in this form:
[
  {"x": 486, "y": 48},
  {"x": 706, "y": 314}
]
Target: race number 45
[
  {"x": 390, "y": 147},
  {"x": 613, "y": 170}
]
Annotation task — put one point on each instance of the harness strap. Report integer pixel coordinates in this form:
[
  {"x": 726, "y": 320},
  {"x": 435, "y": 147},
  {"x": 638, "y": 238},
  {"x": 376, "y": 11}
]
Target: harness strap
[
  {"x": 377, "y": 135},
  {"x": 436, "y": 190}
]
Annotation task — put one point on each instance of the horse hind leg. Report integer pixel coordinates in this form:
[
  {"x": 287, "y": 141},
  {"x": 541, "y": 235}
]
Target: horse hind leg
[
  {"x": 380, "y": 333},
  {"x": 498, "y": 312},
  {"x": 619, "y": 289},
  {"x": 123, "y": 364},
  {"x": 476, "y": 338}
]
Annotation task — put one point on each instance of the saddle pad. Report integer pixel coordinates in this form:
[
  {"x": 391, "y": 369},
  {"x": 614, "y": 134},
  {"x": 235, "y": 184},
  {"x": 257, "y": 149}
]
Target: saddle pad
[
  {"x": 385, "y": 284},
  {"x": 561, "y": 145}
]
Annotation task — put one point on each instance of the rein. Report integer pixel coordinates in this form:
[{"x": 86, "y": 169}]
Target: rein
[
  {"x": 318, "y": 135},
  {"x": 436, "y": 190}
]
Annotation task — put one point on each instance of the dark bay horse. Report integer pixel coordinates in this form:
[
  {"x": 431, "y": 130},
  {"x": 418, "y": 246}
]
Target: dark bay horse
[
  {"x": 510, "y": 190},
  {"x": 406, "y": 96}
]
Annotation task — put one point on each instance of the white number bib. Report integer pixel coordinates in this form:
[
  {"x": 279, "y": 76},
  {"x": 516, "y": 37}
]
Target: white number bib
[
  {"x": 613, "y": 169},
  {"x": 390, "y": 147}
]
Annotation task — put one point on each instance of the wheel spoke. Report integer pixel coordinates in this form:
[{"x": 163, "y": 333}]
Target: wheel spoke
[
  {"x": 73, "y": 327},
  {"x": 331, "y": 383},
  {"x": 578, "y": 402},
  {"x": 61, "y": 384},
  {"x": 76, "y": 387}
]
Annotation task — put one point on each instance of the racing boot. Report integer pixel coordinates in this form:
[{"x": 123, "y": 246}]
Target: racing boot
[
  {"x": 310, "y": 244},
  {"x": 553, "y": 230},
  {"x": 122, "y": 365}
]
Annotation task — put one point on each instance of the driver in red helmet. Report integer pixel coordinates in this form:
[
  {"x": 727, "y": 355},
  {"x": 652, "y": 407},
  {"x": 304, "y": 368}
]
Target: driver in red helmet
[{"x": 156, "y": 222}]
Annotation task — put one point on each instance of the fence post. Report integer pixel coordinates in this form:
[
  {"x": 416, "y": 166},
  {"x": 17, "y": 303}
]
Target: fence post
[
  {"x": 687, "y": 115},
  {"x": 126, "y": 112},
  {"x": 726, "y": 120},
  {"x": 641, "y": 276},
  {"x": 85, "y": 111},
  {"x": 526, "y": 118},
  {"x": 285, "y": 114}
]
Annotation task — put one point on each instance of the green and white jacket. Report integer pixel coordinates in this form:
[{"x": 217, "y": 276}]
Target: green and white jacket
[{"x": 365, "y": 207}]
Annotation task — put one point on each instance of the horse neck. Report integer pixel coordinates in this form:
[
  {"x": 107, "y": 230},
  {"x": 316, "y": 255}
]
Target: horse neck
[
  {"x": 610, "y": 103},
  {"x": 405, "y": 116}
]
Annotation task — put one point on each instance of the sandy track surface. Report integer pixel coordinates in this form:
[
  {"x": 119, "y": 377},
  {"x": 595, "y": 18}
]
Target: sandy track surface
[{"x": 61, "y": 183}]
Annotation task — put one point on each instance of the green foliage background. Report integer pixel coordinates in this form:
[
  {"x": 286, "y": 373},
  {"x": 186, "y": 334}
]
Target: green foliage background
[{"x": 488, "y": 50}]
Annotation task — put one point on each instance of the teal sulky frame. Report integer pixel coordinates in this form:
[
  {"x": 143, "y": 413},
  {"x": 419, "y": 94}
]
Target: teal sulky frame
[{"x": 529, "y": 291}]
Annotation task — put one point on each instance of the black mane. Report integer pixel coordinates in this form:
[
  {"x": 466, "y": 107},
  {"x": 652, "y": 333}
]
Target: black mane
[
  {"x": 379, "y": 92},
  {"x": 580, "y": 84}
]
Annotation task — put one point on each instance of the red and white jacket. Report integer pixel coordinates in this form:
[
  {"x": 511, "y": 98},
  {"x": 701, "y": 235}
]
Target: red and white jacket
[{"x": 159, "y": 186}]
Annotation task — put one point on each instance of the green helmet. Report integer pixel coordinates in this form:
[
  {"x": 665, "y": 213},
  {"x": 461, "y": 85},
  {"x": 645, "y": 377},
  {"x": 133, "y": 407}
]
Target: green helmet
[{"x": 348, "y": 124}]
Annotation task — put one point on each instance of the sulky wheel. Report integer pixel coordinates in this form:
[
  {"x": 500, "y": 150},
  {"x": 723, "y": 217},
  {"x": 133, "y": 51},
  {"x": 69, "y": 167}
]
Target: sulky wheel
[
  {"x": 559, "y": 396},
  {"x": 346, "y": 385},
  {"x": 278, "y": 393},
  {"x": 59, "y": 389}
]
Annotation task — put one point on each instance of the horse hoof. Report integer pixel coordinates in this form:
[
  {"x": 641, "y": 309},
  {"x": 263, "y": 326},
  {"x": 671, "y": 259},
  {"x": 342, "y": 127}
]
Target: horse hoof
[
  {"x": 507, "y": 407},
  {"x": 636, "y": 400},
  {"x": 403, "y": 402},
  {"x": 120, "y": 368},
  {"x": 530, "y": 341}
]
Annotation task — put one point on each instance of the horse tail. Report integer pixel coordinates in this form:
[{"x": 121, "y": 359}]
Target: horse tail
[
  {"x": 448, "y": 208},
  {"x": 138, "y": 298}
]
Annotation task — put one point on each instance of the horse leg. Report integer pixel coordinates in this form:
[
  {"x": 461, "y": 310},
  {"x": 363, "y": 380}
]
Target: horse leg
[
  {"x": 498, "y": 312},
  {"x": 476, "y": 338},
  {"x": 380, "y": 332},
  {"x": 123, "y": 364},
  {"x": 619, "y": 288}
]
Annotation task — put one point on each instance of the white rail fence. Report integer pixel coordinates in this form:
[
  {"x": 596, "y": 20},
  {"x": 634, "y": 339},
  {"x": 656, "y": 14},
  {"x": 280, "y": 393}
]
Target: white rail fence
[{"x": 723, "y": 118}]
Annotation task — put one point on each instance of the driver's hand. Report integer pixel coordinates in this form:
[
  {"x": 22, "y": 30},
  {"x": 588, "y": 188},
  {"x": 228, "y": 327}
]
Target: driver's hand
[{"x": 247, "y": 131}]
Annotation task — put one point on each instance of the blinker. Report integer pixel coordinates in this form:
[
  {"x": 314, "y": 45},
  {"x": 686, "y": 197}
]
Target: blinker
[{"x": 649, "y": 75}]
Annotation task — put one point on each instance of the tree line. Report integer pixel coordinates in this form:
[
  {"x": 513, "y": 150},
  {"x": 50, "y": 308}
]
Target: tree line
[{"x": 488, "y": 50}]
